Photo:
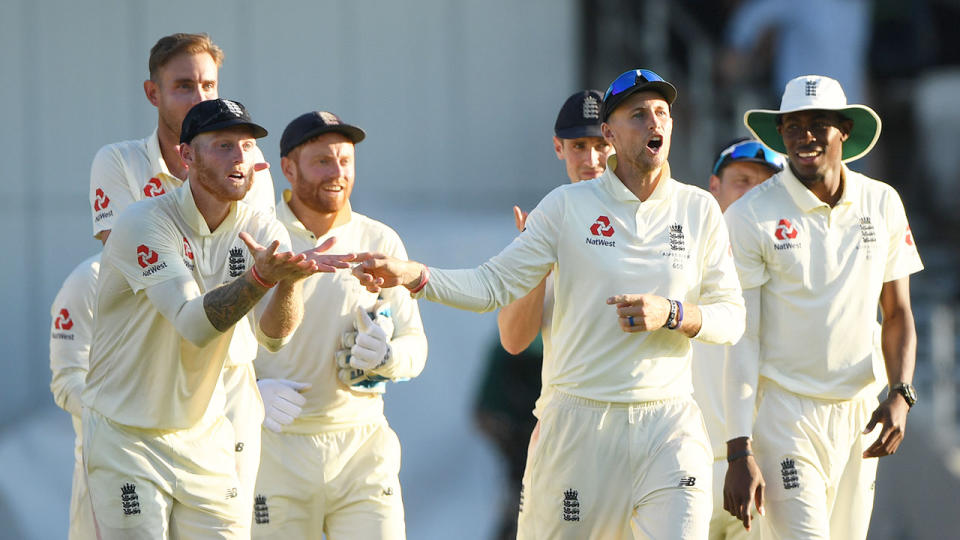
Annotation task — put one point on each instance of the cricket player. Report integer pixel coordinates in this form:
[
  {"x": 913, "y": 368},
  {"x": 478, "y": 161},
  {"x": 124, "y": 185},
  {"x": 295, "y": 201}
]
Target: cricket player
[
  {"x": 70, "y": 336},
  {"x": 330, "y": 461},
  {"x": 184, "y": 71},
  {"x": 739, "y": 166},
  {"x": 641, "y": 264},
  {"x": 176, "y": 276},
  {"x": 511, "y": 382},
  {"x": 817, "y": 248}
]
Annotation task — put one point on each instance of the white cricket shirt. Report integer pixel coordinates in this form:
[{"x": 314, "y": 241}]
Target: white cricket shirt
[
  {"x": 71, "y": 332},
  {"x": 820, "y": 271},
  {"x": 605, "y": 242},
  {"x": 128, "y": 171},
  {"x": 142, "y": 372},
  {"x": 330, "y": 301}
]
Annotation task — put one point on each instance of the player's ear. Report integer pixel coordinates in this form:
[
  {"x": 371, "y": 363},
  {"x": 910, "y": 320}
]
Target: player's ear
[
  {"x": 558, "y": 147},
  {"x": 289, "y": 169},
  {"x": 186, "y": 153},
  {"x": 714, "y": 184},
  {"x": 150, "y": 89},
  {"x": 607, "y": 132}
]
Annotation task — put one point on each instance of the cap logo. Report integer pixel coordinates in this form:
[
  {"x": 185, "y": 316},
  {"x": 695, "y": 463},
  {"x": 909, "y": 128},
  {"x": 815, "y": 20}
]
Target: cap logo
[
  {"x": 591, "y": 108},
  {"x": 329, "y": 118},
  {"x": 811, "y": 87},
  {"x": 233, "y": 107}
]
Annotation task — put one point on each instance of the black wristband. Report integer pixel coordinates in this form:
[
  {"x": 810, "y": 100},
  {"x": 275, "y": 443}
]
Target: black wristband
[{"x": 741, "y": 454}]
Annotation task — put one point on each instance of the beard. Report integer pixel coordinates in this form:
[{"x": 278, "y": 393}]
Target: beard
[
  {"x": 314, "y": 197},
  {"x": 214, "y": 181}
]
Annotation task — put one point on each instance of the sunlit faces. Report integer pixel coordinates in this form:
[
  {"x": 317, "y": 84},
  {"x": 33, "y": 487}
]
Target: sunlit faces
[
  {"x": 185, "y": 80},
  {"x": 585, "y": 158},
  {"x": 814, "y": 141},
  {"x": 221, "y": 163},
  {"x": 639, "y": 130},
  {"x": 737, "y": 178},
  {"x": 321, "y": 173}
]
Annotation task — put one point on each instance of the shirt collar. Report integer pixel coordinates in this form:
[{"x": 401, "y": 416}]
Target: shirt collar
[
  {"x": 616, "y": 188},
  {"x": 156, "y": 157},
  {"x": 191, "y": 214},
  {"x": 807, "y": 201}
]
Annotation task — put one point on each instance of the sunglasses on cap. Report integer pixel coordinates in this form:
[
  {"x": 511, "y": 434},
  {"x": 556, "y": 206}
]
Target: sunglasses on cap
[
  {"x": 630, "y": 79},
  {"x": 748, "y": 151}
]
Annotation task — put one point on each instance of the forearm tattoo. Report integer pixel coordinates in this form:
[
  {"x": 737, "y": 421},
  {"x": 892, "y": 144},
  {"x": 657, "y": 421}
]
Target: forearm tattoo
[{"x": 228, "y": 303}]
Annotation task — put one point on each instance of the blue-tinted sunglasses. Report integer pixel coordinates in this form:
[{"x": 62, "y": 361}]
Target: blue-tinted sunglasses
[
  {"x": 629, "y": 79},
  {"x": 748, "y": 150}
]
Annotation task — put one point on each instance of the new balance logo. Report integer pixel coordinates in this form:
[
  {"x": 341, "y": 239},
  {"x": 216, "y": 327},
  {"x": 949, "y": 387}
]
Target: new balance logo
[
  {"x": 688, "y": 481},
  {"x": 129, "y": 500},
  {"x": 571, "y": 505},
  {"x": 238, "y": 447},
  {"x": 261, "y": 514},
  {"x": 232, "y": 493},
  {"x": 788, "y": 470},
  {"x": 236, "y": 262},
  {"x": 521, "y": 498},
  {"x": 811, "y": 87},
  {"x": 387, "y": 491}
]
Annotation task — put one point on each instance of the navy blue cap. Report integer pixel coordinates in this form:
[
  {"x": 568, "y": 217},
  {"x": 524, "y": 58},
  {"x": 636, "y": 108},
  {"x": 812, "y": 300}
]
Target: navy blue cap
[
  {"x": 214, "y": 115},
  {"x": 309, "y": 125},
  {"x": 579, "y": 116}
]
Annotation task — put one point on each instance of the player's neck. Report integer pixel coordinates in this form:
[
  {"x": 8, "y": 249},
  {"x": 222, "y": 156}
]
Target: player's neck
[
  {"x": 319, "y": 223},
  {"x": 168, "y": 151},
  {"x": 213, "y": 210},
  {"x": 641, "y": 182},
  {"x": 827, "y": 187}
]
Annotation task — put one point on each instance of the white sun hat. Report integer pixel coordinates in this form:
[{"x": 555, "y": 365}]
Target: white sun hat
[{"x": 816, "y": 92}]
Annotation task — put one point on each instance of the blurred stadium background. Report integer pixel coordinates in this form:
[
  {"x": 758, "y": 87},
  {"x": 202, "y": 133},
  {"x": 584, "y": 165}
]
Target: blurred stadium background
[{"x": 458, "y": 100}]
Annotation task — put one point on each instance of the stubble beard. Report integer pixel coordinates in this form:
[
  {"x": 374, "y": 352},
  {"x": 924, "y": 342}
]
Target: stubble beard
[{"x": 211, "y": 182}]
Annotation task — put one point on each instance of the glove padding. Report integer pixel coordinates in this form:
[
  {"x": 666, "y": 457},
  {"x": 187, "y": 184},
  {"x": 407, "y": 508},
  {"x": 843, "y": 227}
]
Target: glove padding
[
  {"x": 282, "y": 402},
  {"x": 366, "y": 348}
]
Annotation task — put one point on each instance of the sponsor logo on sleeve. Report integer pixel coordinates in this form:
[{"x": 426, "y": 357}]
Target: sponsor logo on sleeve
[
  {"x": 601, "y": 229},
  {"x": 187, "y": 254},
  {"x": 64, "y": 324},
  {"x": 785, "y": 232},
  {"x": 149, "y": 260},
  {"x": 908, "y": 238},
  {"x": 153, "y": 188},
  {"x": 100, "y": 204}
]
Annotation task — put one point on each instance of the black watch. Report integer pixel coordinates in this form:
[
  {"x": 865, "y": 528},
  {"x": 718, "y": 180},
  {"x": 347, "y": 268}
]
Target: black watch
[{"x": 906, "y": 390}]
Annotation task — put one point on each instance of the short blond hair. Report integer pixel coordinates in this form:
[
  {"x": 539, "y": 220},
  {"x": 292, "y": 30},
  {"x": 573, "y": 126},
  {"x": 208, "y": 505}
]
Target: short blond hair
[{"x": 169, "y": 46}]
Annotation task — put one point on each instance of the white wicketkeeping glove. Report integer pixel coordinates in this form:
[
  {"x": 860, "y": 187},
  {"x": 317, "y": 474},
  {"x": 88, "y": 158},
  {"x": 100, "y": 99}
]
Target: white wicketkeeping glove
[
  {"x": 368, "y": 345},
  {"x": 282, "y": 402}
]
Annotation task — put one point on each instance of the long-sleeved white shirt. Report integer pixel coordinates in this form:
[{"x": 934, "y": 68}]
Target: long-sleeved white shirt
[
  {"x": 330, "y": 301},
  {"x": 605, "y": 242}
]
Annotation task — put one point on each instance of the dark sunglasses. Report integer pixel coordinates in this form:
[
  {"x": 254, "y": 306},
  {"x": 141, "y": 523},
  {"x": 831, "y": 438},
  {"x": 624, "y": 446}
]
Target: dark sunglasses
[
  {"x": 629, "y": 79},
  {"x": 748, "y": 150}
]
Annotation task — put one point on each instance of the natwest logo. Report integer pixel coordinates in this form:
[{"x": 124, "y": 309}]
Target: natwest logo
[
  {"x": 102, "y": 201},
  {"x": 146, "y": 256},
  {"x": 187, "y": 249},
  {"x": 602, "y": 227},
  {"x": 153, "y": 188},
  {"x": 908, "y": 238},
  {"x": 63, "y": 322},
  {"x": 785, "y": 230}
]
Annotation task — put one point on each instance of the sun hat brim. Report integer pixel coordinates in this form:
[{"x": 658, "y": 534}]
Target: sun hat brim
[{"x": 762, "y": 123}]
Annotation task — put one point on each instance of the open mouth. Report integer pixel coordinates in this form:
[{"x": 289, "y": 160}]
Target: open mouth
[
  {"x": 236, "y": 176},
  {"x": 655, "y": 143},
  {"x": 333, "y": 189},
  {"x": 808, "y": 155}
]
